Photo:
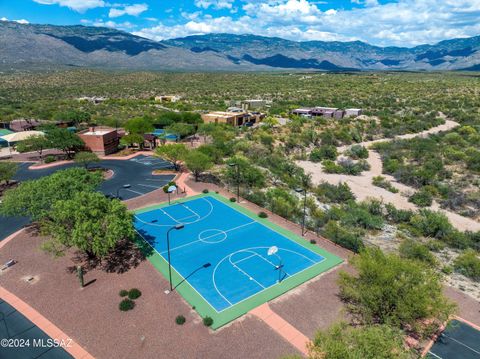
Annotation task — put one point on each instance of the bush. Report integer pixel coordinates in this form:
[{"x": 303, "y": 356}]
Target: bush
[
  {"x": 123, "y": 293},
  {"x": 126, "y": 304},
  {"x": 262, "y": 215},
  {"x": 468, "y": 264},
  {"x": 180, "y": 319},
  {"x": 331, "y": 193},
  {"x": 50, "y": 159},
  {"x": 411, "y": 249},
  {"x": 205, "y": 190},
  {"x": 134, "y": 293},
  {"x": 313, "y": 241},
  {"x": 207, "y": 321},
  {"x": 356, "y": 152},
  {"x": 326, "y": 152},
  {"x": 344, "y": 237},
  {"x": 447, "y": 270},
  {"x": 233, "y": 199},
  {"x": 382, "y": 182},
  {"x": 421, "y": 198}
]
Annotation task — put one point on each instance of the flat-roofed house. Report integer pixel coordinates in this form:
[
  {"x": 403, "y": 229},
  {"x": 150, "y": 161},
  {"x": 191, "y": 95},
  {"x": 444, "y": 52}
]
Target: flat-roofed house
[
  {"x": 353, "y": 112},
  {"x": 232, "y": 118},
  {"x": 302, "y": 111},
  {"x": 102, "y": 141}
]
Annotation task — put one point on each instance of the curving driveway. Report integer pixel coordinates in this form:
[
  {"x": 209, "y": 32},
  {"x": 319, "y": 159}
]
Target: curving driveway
[{"x": 137, "y": 172}]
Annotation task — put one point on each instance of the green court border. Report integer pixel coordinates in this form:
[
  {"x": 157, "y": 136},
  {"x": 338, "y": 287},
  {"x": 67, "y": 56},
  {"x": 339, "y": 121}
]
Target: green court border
[{"x": 204, "y": 308}]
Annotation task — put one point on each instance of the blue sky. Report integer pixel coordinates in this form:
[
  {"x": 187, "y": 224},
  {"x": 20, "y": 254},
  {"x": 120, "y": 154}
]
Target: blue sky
[{"x": 379, "y": 22}]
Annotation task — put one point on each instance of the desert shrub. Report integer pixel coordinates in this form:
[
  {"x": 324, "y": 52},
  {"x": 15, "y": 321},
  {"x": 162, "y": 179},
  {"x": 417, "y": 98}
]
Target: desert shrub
[
  {"x": 180, "y": 319},
  {"x": 325, "y": 152},
  {"x": 411, "y": 249},
  {"x": 422, "y": 198},
  {"x": 313, "y": 241},
  {"x": 357, "y": 152},
  {"x": 262, "y": 215},
  {"x": 207, "y": 321},
  {"x": 134, "y": 293},
  {"x": 468, "y": 264},
  {"x": 126, "y": 304},
  {"x": 123, "y": 293},
  {"x": 447, "y": 270},
  {"x": 431, "y": 224},
  {"x": 344, "y": 237},
  {"x": 233, "y": 199},
  {"x": 331, "y": 193},
  {"x": 205, "y": 190},
  {"x": 382, "y": 182},
  {"x": 398, "y": 215}
]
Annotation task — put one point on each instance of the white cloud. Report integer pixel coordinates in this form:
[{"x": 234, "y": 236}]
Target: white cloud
[
  {"x": 216, "y": 4},
  {"x": 4, "y": 19},
  {"x": 77, "y": 5},
  {"x": 133, "y": 10},
  {"x": 22, "y": 21}
]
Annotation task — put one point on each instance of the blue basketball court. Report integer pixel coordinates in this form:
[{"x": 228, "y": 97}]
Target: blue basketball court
[{"x": 224, "y": 255}]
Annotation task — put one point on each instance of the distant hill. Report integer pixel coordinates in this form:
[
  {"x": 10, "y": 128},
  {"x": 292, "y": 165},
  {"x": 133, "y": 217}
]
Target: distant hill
[{"x": 47, "y": 46}]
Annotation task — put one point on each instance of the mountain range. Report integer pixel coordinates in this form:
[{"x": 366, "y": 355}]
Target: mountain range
[{"x": 31, "y": 46}]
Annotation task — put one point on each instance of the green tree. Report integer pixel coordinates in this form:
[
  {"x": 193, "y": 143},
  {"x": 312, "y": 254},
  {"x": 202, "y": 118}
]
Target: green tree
[
  {"x": 64, "y": 140},
  {"x": 174, "y": 153},
  {"x": 85, "y": 158},
  {"x": 138, "y": 126},
  {"x": 412, "y": 249},
  {"x": 35, "y": 198},
  {"x": 90, "y": 222},
  {"x": 197, "y": 162},
  {"x": 180, "y": 129},
  {"x": 132, "y": 139},
  {"x": 36, "y": 143},
  {"x": 7, "y": 171},
  {"x": 74, "y": 116},
  {"x": 342, "y": 341},
  {"x": 387, "y": 289}
]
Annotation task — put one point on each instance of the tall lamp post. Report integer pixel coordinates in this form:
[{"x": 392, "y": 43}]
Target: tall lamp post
[
  {"x": 238, "y": 179},
  {"x": 304, "y": 191},
  {"x": 125, "y": 186},
  {"x": 176, "y": 227}
]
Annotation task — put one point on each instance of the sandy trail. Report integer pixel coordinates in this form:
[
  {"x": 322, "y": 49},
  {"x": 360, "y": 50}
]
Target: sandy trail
[{"x": 363, "y": 188}]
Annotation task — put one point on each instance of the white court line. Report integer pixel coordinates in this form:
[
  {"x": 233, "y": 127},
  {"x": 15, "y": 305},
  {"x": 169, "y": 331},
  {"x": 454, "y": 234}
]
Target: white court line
[
  {"x": 164, "y": 212},
  {"x": 185, "y": 206},
  {"x": 435, "y": 355},
  {"x": 131, "y": 190},
  {"x": 181, "y": 276},
  {"x": 244, "y": 259},
  {"x": 228, "y": 230},
  {"x": 169, "y": 225},
  {"x": 203, "y": 239},
  {"x": 155, "y": 179},
  {"x": 245, "y": 273},
  {"x": 254, "y": 294},
  {"x": 183, "y": 218}
]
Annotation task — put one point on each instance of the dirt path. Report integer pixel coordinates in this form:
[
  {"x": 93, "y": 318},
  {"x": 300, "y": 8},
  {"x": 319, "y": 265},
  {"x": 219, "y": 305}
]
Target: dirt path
[{"x": 363, "y": 188}]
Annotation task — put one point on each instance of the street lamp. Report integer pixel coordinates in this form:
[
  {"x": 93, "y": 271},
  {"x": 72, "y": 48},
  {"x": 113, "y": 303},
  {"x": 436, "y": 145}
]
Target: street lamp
[
  {"x": 304, "y": 190},
  {"x": 176, "y": 227},
  {"x": 125, "y": 186},
  {"x": 238, "y": 179}
]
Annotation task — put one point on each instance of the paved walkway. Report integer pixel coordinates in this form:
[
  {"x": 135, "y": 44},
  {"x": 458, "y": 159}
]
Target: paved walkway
[
  {"x": 282, "y": 327},
  {"x": 73, "y": 348}
]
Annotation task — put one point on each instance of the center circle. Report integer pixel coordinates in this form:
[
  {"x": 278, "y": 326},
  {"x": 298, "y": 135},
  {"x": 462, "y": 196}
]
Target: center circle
[{"x": 212, "y": 236}]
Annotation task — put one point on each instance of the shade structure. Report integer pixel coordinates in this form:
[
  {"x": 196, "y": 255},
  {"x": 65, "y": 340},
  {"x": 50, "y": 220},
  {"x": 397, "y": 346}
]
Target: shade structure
[{"x": 21, "y": 136}]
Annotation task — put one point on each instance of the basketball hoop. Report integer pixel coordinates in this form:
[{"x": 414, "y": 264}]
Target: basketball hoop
[{"x": 272, "y": 250}]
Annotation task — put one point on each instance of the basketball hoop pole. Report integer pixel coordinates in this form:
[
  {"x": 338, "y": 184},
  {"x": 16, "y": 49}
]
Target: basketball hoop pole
[
  {"x": 177, "y": 227},
  {"x": 273, "y": 251}
]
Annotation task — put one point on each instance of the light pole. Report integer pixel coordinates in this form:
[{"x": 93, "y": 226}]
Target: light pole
[
  {"x": 304, "y": 190},
  {"x": 238, "y": 179},
  {"x": 176, "y": 227},
  {"x": 125, "y": 186}
]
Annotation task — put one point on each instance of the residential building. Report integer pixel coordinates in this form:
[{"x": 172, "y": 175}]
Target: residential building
[
  {"x": 353, "y": 112},
  {"x": 249, "y": 105},
  {"x": 168, "y": 98},
  {"x": 102, "y": 141},
  {"x": 233, "y": 118}
]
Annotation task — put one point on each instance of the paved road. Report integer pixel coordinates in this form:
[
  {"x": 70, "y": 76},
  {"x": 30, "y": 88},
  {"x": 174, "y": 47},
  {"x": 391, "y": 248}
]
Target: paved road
[
  {"x": 136, "y": 172},
  {"x": 14, "y": 326}
]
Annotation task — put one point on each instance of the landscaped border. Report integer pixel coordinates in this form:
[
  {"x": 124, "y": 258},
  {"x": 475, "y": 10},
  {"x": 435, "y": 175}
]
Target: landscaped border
[{"x": 237, "y": 310}]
